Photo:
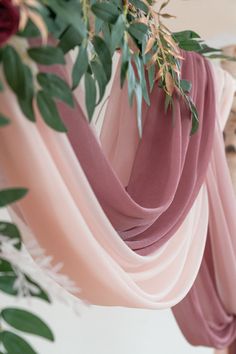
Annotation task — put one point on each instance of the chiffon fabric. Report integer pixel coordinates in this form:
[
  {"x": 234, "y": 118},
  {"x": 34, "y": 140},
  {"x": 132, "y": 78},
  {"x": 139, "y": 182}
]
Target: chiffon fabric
[
  {"x": 207, "y": 315},
  {"x": 62, "y": 210}
]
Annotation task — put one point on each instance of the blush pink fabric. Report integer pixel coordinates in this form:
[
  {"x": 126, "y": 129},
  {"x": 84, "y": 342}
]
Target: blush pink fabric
[
  {"x": 62, "y": 212},
  {"x": 167, "y": 167}
]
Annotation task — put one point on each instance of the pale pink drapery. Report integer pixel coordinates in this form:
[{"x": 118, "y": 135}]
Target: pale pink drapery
[{"x": 62, "y": 212}]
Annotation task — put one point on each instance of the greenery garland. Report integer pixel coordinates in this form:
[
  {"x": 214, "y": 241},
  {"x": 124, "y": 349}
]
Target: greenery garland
[{"x": 150, "y": 53}]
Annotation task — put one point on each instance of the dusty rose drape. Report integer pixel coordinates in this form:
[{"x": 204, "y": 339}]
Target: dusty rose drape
[{"x": 211, "y": 303}]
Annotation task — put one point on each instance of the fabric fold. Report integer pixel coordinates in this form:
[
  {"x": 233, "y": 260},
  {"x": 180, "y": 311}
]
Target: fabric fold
[{"x": 69, "y": 219}]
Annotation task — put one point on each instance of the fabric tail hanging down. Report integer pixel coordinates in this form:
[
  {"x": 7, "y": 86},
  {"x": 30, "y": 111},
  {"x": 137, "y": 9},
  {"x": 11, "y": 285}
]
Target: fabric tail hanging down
[{"x": 207, "y": 316}]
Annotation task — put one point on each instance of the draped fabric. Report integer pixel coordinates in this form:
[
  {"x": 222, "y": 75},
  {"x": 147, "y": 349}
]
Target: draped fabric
[
  {"x": 211, "y": 303},
  {"x": 128, "y": 217},
  {"x": 167, "y": 168},
  {"x": 62, "y": 211}
]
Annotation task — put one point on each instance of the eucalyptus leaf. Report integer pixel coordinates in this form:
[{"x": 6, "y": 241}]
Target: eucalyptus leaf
[
  {"x": 131, "y": 83},
  {"x": 106, "y": 11},
  {"x": 124, "y": 63},
  {"x": 11, "y": 230},
  {"x": 11, "y": 195},
  {"x": 139, "y": 4},
  {"x": 90, "y": 94},
  {"x": 142, "y": 78},
  {"x": 185, "y": 35},
  {"x": 80, "y": 67},
  {"x": 100, "y": 77},
  {"x": 117, "y": 33},
  {"x": 30, "y": 30},
  {"x": 27, "y": 322},
  {"x": 70, "y": 39},
  {"x": 71, "y": 13},
  {"x": 138, "y": 31},
  {"x": 186, "y": 85},
  {"x": 1, "y": 86},
  {"x": 49, "y": 112},
  {"x": 55, "y": 87},
  {"x": 151, "y": 76},
  {"x": 104, "y": 55},
  {"x": 14, "y": 344},
  {"x": 7, "y": 282},
  {"x": 14, "y": 70},
  {"x": 26, "y": 100},
  {"x": 190, "y": 45},
  {"x": 4, "y": 120},
  {"x": 47, "y": 55}
]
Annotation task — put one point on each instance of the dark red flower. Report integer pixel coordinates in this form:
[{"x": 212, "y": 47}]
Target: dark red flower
[{"x": 9, "y": 20}]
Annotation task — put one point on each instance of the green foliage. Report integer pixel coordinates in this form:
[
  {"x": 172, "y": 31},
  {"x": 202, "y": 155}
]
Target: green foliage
[
  {"x": 55, "y": 87},
  {"x": 4, "y": 120},
  {"x": 11, "y": 195},
  {"x": 26, "y": 322},
  {"x": 49, "y": 112},
  {"x": 15, "y": 344},
  {"x": 47, "y": 55}
]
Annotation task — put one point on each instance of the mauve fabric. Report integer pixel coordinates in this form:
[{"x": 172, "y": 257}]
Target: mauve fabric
[
  {"x": 168, "y": 168},
  {"x": 207, "y": 315},
  {"x": 63, "y": 214}
]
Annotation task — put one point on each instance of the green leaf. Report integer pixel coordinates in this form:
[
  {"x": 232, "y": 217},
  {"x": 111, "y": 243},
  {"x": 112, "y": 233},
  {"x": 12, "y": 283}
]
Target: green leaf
[
  {"x": 90, "y": 93},
  {"x": 103, "y": 54},
  {"x": 195, "y": 119},
  {"x": 117, "y": 33},
  {"x": 11, "y": 195},
  {"x": 14, "y": 71},
  {"x": 106, "y": 11},
  {"x": 151, "y": 76},
  {"x": 8, "y": 280},
  {"x": 206, "y": 49},
  {"x": 139, "y": 5},
  {"x": 138, "y": 31},
  {"x": 47, "y": 55},
  {"x": 49, "y": 112},
  {"x": 100, "y": 77},
  {"x": 185, "y": 35},
  {"x": 26, "y": 99},
  {"x": 55, "y": 87},
  {"x": 70, "y": 39},
  {"x": 14, "y": 344},
  {"x": 11, "y": 230},
  {"x": 1, "y": 86},
  {"x": 27, "y": 322},
  {"x": 124, "y": 63},
  {"x": 30, "y": 30},
  {"x": 142, "y": 78},
  {"x": 4, "y": 120},
  {"x": 190, "y": 45},
  {"x": 80, "y": 66},
  {"x": 41, "y": 293},
  {"x": 131, "y": 83},
  {"x": 71, "y": 13},
  {"x": 186, "y": 85}
]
